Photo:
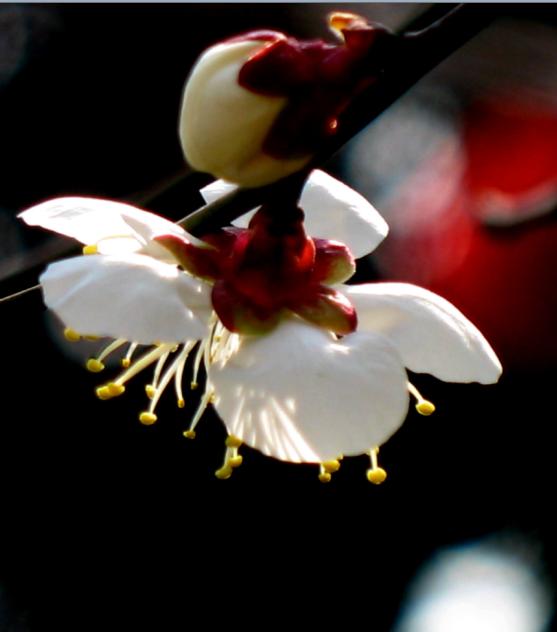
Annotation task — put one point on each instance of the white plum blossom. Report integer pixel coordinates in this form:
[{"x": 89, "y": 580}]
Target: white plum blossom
[{"x": 300, "y": 392}]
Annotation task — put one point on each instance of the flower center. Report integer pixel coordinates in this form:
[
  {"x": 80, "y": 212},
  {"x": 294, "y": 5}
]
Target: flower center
[{"x": 270, "y": 268}]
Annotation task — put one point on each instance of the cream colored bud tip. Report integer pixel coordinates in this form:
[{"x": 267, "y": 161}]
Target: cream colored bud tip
[
  {"x": 233, "y": 442},
  {"x": 224, "y": 473},
  {"x": 189, "y": 434},
  {"x": 147, "y": 418},
  {"x": 94, "y": 365},
  {"x": 325, "y": 477},
  {"x": 331, "y": 466},
  {"x": 71, "y": 335},
  {"x": 425, "y": 408},
  {"x": 377, "y": 475},
  {"x": 90, "y": 250},
  {"x": 235, "y": 461}
]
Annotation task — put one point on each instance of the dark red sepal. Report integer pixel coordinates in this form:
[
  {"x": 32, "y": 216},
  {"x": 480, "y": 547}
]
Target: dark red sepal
[
  {"x": 200, "y": 261},
  {"x": 329, "y": 309},
  {"x": 334, "y": 262},
  {"x": 239, "y": 315}
]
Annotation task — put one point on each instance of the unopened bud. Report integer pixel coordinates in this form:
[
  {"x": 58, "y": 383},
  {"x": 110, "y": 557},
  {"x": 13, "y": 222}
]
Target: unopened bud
[{"x": 256, "y": 108}]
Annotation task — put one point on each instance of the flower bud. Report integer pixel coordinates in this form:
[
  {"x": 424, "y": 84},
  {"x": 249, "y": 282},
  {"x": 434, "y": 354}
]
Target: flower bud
[{"x": 257, "y": 107}]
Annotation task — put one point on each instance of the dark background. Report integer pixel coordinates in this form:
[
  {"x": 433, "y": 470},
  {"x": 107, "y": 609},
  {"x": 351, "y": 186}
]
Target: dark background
[{"x": 110, "y": 525}]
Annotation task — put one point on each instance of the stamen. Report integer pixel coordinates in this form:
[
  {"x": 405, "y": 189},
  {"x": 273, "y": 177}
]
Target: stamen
[
  {"x": 423, "y": 406},
  {"x": 324, "y": 476},
  {"x": 158, "y": 368},
  {"x": 197, "y": 362},
  {"x": 232, "y": 459},
  {"x": 204, "y": 350},
  {"x": 375, "y": 474},
  {"x": 327, "y": 469},
  {"x": 148, "y": 417},
  {"x": 127, "y": 359},
  {"x": 180, "y": 372},
  {"x": 90, "y": 250},
  {"x": 110, "y": 390},
  {"x": 95, "y": 365},
  {"x": 71, "y": 335},
  {"x": 143, "y": 362},
  {"x": 205, "y": 401}
]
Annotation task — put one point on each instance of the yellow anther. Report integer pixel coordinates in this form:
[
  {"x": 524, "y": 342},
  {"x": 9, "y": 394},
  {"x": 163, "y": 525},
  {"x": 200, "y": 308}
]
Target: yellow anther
[
  {"x": 90, "y": 250},
  {"x": 233, "y": 442},
  {"x": 224, "y": 472},
  {"x": 150, "y": 390},
  {"x": 125, "y": 362},
  {"x": 235, "y": 461},
  {"x": 193, "y": 385},
  {"x": 376, "y": 475},
  {"x": 181, "y": 403},
  {"x": 325, "y": 477},
  {"x": 71, "y": 335},
  {"x": 103, "y": 392},
  {"x": 147, "y": 419},
  {"x": 110, "y": 390},
  {"x": 189, "y": 434},
  {"x": 115, "y": 389},
  {"x": 425, "y": 408},
  {"x": 94, "y": 365},
  {"x": 331, "y": 466}
]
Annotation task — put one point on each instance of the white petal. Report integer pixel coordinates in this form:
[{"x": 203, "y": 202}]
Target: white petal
[
  {"x": 431, "y": 335},
  {"x": 219, "y": 188},
  {"x": 133, "y": 297},
  {"x": 116, "y": 228},
  {"x": 333, "y": 211},
  {"x": 300, "y": 395}
]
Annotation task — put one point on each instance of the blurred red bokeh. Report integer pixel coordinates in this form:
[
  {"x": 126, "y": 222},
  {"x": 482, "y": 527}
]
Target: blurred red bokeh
[{"x": 476, "y": 223}]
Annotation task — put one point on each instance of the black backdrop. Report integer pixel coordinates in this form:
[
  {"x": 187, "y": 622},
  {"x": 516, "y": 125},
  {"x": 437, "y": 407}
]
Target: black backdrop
[{"x": 109, "y": 525}]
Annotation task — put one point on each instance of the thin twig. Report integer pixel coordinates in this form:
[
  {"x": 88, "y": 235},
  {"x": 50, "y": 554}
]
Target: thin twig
[{"x": 20, "y": 293}]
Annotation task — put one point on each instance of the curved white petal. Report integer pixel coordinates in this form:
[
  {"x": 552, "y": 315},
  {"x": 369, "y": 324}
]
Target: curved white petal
[
  {"x": 300, "y": 395},
  {"x": 219, "y": 188},
  {"x": 132, "y": 297},
  {"x": 115, "y": 228},
  {"x": 333, "y": 211},
  {"x": 431, "y": 335}
]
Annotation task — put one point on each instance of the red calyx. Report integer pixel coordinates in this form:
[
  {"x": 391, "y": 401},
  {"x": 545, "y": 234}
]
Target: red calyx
[
  {"x": 270, "y": 267},
  {"x": 317, "y": 78}
]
